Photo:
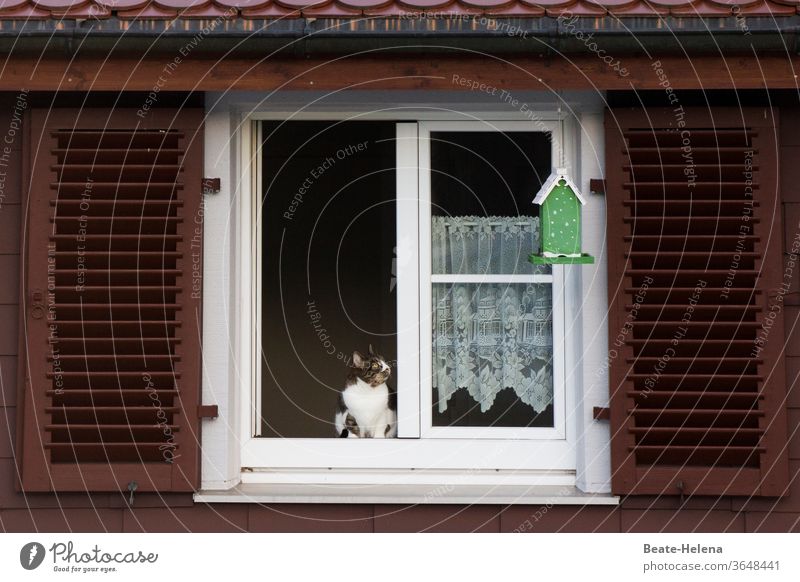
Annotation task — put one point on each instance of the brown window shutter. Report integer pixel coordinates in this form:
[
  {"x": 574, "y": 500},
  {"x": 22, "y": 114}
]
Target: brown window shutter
[
  {"x": 111, "y": 301},
  {"x": 695, "y": 287}
]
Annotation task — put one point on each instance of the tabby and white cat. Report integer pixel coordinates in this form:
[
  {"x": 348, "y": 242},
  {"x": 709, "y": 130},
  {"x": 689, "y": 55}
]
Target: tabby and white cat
[{"x": 367, "y": 406}]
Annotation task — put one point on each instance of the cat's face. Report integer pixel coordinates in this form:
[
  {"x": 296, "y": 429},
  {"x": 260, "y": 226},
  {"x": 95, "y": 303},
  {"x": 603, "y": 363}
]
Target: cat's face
[{"x": 371, "y": 368}]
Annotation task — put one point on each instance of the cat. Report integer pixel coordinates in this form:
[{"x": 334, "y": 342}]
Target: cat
[{"x": 367, "y": 406}]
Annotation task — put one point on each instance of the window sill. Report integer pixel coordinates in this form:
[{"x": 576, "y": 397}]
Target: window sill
[{"x": 406, "y": 494}]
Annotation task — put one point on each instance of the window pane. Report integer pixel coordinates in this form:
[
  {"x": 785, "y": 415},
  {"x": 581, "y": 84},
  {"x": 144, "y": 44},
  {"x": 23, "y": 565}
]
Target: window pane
[
  {"x": 492, "y": 354},
  {"x": 492, "y": 342},
  {"x": 328, "y": 224},
  {"x": 482, "y": 189}
]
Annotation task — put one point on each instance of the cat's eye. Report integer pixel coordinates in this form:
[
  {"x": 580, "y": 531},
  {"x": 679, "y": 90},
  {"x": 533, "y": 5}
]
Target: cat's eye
[{"x": 375, "y": 366}]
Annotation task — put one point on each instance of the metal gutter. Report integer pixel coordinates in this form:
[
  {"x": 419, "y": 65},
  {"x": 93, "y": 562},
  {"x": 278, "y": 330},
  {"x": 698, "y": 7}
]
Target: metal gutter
[{"x": 544, "y": 35}]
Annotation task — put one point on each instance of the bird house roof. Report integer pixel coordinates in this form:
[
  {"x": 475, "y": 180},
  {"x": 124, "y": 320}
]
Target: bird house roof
[{"x": 551, "y": 182}]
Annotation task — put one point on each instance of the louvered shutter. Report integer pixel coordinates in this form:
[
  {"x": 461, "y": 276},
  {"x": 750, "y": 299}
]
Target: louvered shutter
[
  {"x": 695, "y": 286},
  {"x": 111, "y": 301}
]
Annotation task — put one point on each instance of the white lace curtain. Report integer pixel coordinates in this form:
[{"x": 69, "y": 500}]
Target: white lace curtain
[
  {"x": 490, "y": 336},
  {"x": 483, "y": 244}
]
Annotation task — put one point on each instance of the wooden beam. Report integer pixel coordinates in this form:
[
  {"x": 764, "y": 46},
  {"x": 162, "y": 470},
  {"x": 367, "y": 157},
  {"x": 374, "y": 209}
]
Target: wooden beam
[{"x": 399, "y": 72}]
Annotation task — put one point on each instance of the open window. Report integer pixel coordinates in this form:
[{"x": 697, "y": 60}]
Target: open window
[{"x": 412, "y": 237}]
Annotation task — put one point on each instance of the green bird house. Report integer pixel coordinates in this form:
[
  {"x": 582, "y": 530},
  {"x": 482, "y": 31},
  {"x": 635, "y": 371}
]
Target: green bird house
[{"x": 560, "y": 221}]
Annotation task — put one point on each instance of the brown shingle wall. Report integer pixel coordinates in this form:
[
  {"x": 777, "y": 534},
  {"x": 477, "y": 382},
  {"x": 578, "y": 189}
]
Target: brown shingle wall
[
  {"x": 10, "y": 175},
  {"x": 177, "y": 513}
]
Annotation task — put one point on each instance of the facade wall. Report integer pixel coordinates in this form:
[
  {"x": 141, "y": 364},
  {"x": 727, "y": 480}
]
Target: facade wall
[{"x": 178, "y": 513}]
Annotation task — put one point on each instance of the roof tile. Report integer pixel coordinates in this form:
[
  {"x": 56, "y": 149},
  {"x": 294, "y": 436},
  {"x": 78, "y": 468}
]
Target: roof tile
[
  {"x": 701, "y": 7},
  {"x": 242, "y": 3},
  {"x": 11, "y": 4},
  {"x": 438, "y": 5},
  {"x": 672, "y": 3},
  {"x": 122, "y": 4},
  {"x": 181, "y": 4},
  {"x": 516, "y": 9},
  {"x": 149, "y": 12},
  {"x": 270, "y": 10},
  {"x": 768, "y": 8},
  {"x": 614, "y": 3},
  {"x": 58, "y": 5},
  {"x": 638, "y": 9},
  {"x": 362, "y": 4},
  {"x": 487, "y": 4},
  {"x": 577, "y": 9},
  {"x": 210, "y": 12},
  {"x": 548, "y": 4},
  {"x": 25, "y": 12},
  {"x": 331, "y": 10},
  {"x": 301, "y": 4}
]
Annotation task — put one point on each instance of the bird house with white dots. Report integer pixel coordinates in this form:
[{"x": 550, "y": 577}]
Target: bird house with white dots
[{"x": 560, "y": 220}]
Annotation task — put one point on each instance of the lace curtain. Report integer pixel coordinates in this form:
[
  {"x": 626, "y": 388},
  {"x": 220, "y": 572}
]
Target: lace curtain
[
  {"x": 490, "y": 336},
  {"x": 484, "y": 244}
]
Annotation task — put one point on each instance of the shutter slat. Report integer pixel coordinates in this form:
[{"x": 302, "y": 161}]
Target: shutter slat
[
  {"x": 693, "y": 266},
  {"x": 113, "y": 378}
]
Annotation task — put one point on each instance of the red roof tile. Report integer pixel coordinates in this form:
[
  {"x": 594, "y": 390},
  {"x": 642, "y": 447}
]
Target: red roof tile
[{"x": 258, "y": 9}]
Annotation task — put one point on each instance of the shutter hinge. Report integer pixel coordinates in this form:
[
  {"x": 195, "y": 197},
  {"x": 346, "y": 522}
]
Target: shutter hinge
[
  {"x": 132, "y": 487},
  {"x": 601, "y": 413},
  {"x": 207, "y": 411},
  {"x": 597, "y": 186},
  {"x": 681, "y": 487},
  {"x": 211, "y": 185}
]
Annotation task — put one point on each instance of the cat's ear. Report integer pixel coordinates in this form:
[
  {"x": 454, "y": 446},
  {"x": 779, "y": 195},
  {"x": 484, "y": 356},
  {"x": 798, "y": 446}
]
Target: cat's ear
[
  {"x": 371, "y": 351},
  {"x": 358, "y": 359}
]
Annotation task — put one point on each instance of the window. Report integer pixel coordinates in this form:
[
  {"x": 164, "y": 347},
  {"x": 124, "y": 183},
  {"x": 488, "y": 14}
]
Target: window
[
  {"x": 491, "y": 373},
  {"x": 521, "y": 457},
  {"x": 413, "y": 237}
]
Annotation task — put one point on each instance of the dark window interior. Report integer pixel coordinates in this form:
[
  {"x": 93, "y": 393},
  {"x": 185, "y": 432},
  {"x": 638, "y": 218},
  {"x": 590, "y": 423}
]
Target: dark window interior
[
  {"x": 468, "y": 165},
  {"x": 327, "y": 265}
]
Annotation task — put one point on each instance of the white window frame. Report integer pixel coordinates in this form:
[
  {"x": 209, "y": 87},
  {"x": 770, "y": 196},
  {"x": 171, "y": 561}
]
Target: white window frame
[
  {"x": 563, "y": 346},
  {"x": 487, "y": 449},
  {"x": 234, "y": 462}
]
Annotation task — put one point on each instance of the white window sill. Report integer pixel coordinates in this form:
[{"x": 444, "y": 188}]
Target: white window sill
[{"x": 405, "y": 494}]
